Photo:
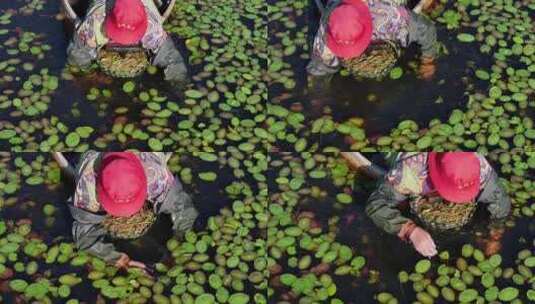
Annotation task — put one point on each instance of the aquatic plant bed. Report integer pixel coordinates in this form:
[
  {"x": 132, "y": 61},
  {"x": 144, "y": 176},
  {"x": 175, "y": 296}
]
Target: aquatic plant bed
[
  {"x": 48, "y": 106},
  {"x": 277, "y": 228},
  {"x": 223, "y": 261},
  {"x": 322, "y": 248},
  {"x": 481, "y": 98}
]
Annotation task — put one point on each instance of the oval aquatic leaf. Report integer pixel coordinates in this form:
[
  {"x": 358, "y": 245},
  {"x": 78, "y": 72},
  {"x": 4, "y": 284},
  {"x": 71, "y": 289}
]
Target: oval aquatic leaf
[
  {"x": 18, "y": 285},
  {"x": 129, "y": 86},
  {"x": 155, "y": 144},
  {"x": 193, "y": 94},
  {"x": 72, "y": 139},
  {"x": 468, "y": 295},
  {"x": 396, "y": 73},
  {"x": 7, "y": 134},
  {"x": 508, "y": 294},
  {"x": 238, "y": 298},
  {"x": 422, "y": 266},
  {"x": 205, "y": 299},
  {"x": 209, "y": 157},
  {"x": 344, "y": 198},
  {"x": 208, "y": 176},
  {"x": 465, "y": 37}
]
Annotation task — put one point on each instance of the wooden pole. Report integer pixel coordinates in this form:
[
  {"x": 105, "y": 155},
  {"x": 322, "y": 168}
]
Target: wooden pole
[
  {"x": 63, "y": 163},
  {"x": 359, "y": 162}
]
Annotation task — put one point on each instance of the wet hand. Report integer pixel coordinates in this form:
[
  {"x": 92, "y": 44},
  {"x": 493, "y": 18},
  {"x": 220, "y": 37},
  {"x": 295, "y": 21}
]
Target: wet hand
[
  {"x": 493, "y": 244},
  {"x": 427, "y": 67},
  {"x": 492, "y": 247},
  {"x": 422, "y": 242},
  {"x": 427, "y": 4},
  {"x": 149, "y": 271},
  {"x": 123, "y": 261}
]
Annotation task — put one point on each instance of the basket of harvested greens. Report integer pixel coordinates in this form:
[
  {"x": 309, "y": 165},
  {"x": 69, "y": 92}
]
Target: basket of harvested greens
[
  {"x": 376, "y": 62},
  {"x": 130, "y": 227},
  {"x": 438, "y": 214},
  {"x": 124, "y": 64}
]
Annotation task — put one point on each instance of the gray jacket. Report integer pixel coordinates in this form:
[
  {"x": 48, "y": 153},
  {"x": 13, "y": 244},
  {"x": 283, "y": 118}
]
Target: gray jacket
[
  {"x": 382, "y": 206},
  {"x": 420, "y": 30},
  {"x": 164, "y": 52},
  {"x": 90, "y": 235}
]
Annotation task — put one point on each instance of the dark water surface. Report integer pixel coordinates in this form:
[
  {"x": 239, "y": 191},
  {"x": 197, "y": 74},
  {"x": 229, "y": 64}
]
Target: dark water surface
[
  {"x": 395, "y": 100},
  {"x": 208, "y": 198},
  {"x": 69, "y": 101},
  {"x": 386, "y": 254}
]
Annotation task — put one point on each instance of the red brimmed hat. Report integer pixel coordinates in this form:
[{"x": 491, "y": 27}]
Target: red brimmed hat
[
  {"x": 127, "y": 22},
  {"x": 121, "y": 184},
  {"x": 455, "y": 175},
  {"x": 349, "y": 29}
]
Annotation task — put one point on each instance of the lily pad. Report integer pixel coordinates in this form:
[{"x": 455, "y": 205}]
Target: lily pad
[
  {"x": 465, "y": 37},
  {"x": 208, "y": 176},
  {"x": 72, "y": 139},
  {"x": 396, "y": 73},
  {"x": 344, "y": 198}
]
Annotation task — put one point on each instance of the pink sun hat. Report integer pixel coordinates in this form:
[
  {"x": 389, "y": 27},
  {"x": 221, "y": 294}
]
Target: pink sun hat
[
  {"x": 349, "y": 29},
  {"x": 121, "y": 184},
  {"x": 455, "y": 175},
  {"x": 127, "y": 22}
]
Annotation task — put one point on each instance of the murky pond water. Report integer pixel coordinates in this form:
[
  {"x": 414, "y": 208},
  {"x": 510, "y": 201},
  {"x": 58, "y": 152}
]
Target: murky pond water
[
  {"x": 374, "y": 109},
  {"x": 348, "y": 225},
  {"x": 210, "y": 198},
  {"x": 222, "y": 88}
]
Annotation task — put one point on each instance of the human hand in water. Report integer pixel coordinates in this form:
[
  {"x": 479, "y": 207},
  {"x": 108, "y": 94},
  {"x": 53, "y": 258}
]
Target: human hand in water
[
  {"x": 125, "y": 262},
  {"x": 422, "y": 242},
  {"x": 427, "y": 67},
  {"x": 427, "y": 4},
  {"x": 493, "y": 244}
]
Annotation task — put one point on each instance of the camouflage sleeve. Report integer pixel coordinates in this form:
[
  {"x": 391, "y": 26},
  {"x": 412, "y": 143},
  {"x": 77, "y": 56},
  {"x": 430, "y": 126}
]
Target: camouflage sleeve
[
  {"x": 89, "y": 235},
  {"x": 423, "y": 32},
  {"x": 382, "y": 208},
  {"x": 167, "y": 54},
  {"x": 323, "y": 61},
  {"x": 179, "y": 205},
  {"x": 87, "y": 38},
  {"x": 496, "y": 197},
  {"x": 155, "y": 36},
  {"x": 162, "y": 157}
]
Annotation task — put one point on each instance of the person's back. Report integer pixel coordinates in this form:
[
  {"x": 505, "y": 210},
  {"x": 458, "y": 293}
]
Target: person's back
[
  {"x": 348, "y": 27},
  {"x": 126, "y": 23}
]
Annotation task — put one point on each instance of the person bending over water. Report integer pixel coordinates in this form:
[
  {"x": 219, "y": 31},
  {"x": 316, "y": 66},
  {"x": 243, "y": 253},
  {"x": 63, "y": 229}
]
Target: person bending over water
[
  {"x": 349, "y": 27},
  {"x": 126, "y": 23},
  {"x": 119, "y": 195},
  {"x": 456, "y": 181}
]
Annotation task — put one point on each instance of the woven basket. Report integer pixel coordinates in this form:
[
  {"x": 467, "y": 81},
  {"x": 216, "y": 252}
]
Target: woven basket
[
  {"x": 442, "y": 215},
  {"x": 123, "y": 64},
  {"x": 130, "y": 227},
  {"x": 377, "y": 61}
]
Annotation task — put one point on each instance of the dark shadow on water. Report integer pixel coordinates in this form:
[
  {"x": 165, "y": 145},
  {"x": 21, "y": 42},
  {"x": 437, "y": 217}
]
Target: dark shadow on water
[{"x": 408, "y": 97}]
